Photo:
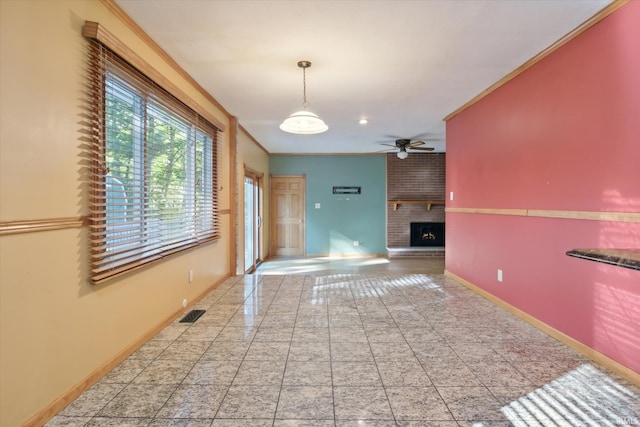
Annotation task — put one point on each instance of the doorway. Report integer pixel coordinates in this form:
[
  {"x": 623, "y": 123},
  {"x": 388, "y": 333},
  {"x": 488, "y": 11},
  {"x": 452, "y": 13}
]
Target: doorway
[
  {"x": 288, "y": 215},
  {"x": 252, "y": 222}
]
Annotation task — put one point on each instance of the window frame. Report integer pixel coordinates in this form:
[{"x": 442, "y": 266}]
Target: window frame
[{"x": 198, "y": 216}]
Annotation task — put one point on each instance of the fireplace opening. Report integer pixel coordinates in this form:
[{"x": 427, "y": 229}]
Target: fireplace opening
[{"x": 427, "y": 234}]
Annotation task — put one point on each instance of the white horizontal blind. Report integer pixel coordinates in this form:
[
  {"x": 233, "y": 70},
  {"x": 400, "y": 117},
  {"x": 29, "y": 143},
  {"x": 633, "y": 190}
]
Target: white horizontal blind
[{"x": 154, "y": 174}]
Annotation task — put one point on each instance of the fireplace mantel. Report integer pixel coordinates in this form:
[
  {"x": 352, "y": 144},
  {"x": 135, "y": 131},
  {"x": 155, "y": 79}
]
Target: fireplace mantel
[{"x": 428, "y": 203}]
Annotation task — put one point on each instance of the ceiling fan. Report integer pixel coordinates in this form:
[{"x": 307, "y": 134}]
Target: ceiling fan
[{"x": 404, "y": 144}]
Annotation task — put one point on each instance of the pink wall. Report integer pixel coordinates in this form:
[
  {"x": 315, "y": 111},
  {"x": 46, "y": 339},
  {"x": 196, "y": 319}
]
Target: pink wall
[{"x": 563, "y": 135}]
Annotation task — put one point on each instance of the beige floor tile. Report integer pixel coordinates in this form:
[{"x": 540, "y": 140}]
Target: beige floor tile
[{"x": 353, "y": 342}]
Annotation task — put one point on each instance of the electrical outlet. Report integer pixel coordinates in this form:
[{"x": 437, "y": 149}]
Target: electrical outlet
[
  {"x": 190, "y": 276},
  {"x": 451, "y": 195},
  {"x": 356, "y": 243},
  {"x": 499, "y": 275},
  {"x": 184, "y": 302}
]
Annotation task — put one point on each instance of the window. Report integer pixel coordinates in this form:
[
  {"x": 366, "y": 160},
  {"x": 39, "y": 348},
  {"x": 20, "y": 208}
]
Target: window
[{"x": 153, "y": 175}]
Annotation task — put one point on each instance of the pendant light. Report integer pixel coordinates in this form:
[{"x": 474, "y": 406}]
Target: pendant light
[
  {"x": 304, "y": 122},
  {"x": 402, "y": 154}
]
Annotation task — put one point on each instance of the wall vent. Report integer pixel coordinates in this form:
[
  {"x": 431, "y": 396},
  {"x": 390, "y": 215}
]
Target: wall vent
[{"x": 192, "y": 316}]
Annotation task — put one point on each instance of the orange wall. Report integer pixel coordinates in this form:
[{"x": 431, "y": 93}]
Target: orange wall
[
  {"x": 563, "y": 135},
  {"x": 56, "y": 329}
]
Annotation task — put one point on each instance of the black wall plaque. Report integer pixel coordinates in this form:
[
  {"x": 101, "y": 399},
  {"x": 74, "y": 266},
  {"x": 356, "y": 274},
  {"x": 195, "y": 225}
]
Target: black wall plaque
[{"x": 346, "y": 190}]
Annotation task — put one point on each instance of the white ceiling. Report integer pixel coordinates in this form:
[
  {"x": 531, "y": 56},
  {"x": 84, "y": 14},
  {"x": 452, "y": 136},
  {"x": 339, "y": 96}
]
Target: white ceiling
[{"x": 402, "y": 64}]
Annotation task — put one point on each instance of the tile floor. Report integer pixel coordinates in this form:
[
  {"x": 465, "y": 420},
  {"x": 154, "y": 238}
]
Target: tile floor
[
  {"x": 353, "y": 349},
  {"x": 366, "y": 265}
]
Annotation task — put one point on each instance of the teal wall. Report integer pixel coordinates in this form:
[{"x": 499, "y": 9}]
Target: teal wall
[{"x": 341, "y": 219}]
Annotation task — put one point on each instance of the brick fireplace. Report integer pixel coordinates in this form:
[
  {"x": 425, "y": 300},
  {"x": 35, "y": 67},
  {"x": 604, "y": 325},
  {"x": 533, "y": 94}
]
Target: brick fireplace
[{"x": 419, "y": 177}]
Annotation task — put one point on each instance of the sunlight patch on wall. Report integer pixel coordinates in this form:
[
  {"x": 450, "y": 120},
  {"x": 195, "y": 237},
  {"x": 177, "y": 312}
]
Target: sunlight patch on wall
[
  {"x": 621, "y": 235},
  {"x": 340, "y": 244},
  {"x": 616, "y": 318},
  {"x": 612, "y": 197}
]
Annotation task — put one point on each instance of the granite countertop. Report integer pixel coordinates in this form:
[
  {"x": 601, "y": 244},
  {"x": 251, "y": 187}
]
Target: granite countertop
[{"x": 628, "y": 258}]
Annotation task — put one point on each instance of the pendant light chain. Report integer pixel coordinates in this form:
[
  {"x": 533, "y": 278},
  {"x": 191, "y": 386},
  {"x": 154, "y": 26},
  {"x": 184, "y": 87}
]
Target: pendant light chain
[{"x": 304, "y": 87}]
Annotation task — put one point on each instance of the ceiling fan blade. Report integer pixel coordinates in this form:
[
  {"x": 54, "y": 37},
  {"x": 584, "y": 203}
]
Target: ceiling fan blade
[
  {"x": 388, "y": 145},
  {"x": 416, "y": 143},
  {"x": 422, "y": 148},
  {"x": 421, "y": 135}
]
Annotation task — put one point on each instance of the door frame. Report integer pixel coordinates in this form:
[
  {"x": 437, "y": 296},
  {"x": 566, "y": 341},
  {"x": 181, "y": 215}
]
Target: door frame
[
  {"x": 272, "y": 213},
  {"x": 258, "y": 182}
]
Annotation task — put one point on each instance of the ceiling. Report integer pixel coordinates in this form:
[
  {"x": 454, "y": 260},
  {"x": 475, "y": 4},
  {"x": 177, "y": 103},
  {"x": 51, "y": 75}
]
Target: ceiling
[{"x": 404, "y": 65}]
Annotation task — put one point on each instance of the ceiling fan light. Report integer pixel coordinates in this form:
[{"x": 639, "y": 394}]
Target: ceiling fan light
[
  {"x": 402, "y": 154},
  {"x": 304, "y": 122}
]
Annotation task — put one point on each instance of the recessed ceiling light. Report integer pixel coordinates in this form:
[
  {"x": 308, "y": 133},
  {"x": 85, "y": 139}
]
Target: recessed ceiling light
[{"x": 363, "y": 121}]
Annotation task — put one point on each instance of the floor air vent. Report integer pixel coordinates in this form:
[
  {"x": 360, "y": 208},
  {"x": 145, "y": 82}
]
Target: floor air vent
[{"x": 192, "y": 316}]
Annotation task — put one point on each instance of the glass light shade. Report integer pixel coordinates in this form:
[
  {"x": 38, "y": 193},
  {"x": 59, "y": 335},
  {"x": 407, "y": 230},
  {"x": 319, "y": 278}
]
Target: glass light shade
[
  {"x": 304, "y": 122},
  {"x": 402, "y": 154}
]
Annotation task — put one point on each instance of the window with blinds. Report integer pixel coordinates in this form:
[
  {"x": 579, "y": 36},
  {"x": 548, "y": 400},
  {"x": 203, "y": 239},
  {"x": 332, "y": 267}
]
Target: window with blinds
[{"x": 153, "y": 175}]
